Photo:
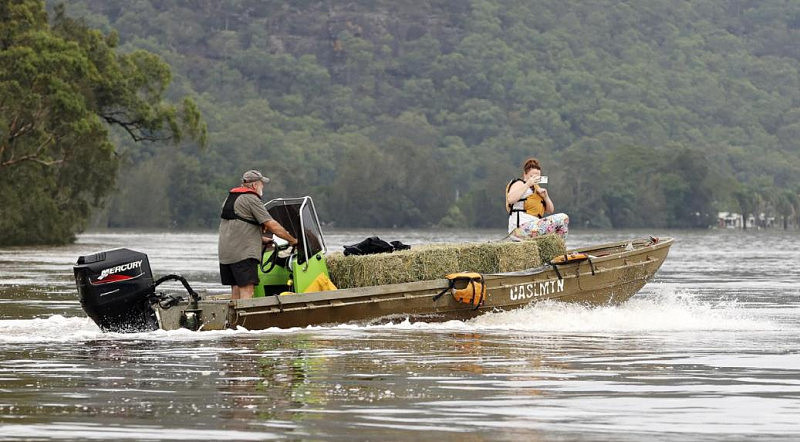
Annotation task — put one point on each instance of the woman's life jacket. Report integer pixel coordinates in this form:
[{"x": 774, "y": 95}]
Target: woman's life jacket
[
  {"x": 530, "y": 202},
  {"x": 230, "y": 201}
]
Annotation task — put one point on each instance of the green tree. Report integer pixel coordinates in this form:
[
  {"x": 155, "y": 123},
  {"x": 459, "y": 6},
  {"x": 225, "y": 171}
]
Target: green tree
[
  {"x": 686, "y": 189},
  {"x": 61, "y": 86}
]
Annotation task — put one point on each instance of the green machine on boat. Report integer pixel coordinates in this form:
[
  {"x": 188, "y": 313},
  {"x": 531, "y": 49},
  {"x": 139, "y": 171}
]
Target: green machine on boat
[{"x": 297, "y": 269}]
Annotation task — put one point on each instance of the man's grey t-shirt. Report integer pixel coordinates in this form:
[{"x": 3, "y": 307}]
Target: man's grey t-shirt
[{"x": 239, "y": 240}]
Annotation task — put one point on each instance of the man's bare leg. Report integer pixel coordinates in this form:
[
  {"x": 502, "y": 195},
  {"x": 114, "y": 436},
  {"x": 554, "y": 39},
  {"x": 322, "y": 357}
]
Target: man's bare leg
[
  {"x": 246, "y": 291},
  {"x": 234, "y": 292}
]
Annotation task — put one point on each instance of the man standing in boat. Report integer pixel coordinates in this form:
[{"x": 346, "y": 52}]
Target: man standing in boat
[{"x": 242, "y": 230}]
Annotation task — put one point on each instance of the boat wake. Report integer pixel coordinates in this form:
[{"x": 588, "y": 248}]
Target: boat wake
[
  {"x": 664, "y": 308},
  {"x": 54, "y": 329}
]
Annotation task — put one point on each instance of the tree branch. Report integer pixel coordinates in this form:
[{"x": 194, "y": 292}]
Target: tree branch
[
  {"x": 132, "y": 127},
  {"x": 32, "y": 157},
  {"x": 13, "y": 161}
]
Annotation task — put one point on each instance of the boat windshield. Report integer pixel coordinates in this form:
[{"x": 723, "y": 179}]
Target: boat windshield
[{"x": 299, "y": 217}]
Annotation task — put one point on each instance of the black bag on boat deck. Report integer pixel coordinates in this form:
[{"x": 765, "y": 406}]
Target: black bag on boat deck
[
  {"x": 369, "y": 246},
  {"x": 399, "y": 246}
]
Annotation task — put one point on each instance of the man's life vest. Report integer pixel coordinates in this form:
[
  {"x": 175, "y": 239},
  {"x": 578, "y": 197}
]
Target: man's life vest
[
  {"x": 533, "y": 204},
  {"x": 227, "y": 208}
]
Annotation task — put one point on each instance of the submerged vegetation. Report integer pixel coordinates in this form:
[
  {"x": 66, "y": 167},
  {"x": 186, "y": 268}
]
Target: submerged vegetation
[{"x": 406, "y": 113}]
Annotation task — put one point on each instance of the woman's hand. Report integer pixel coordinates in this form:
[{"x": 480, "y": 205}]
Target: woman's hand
[
  {"x": 530, "y": 182},
  {"x": 542, "y": 192}
]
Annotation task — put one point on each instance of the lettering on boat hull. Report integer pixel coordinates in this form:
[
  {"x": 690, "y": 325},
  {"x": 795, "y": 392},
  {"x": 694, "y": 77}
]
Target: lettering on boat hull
[{"x": 536, "y": 289}]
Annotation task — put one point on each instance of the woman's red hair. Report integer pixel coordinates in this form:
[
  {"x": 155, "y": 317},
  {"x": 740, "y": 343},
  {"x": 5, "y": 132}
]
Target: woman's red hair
[{"x": 531, "y": 163}]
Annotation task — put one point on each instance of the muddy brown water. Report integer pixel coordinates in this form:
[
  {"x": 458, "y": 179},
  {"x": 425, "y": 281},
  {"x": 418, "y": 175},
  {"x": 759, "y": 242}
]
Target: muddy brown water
[{"x": 709, "y": 350}]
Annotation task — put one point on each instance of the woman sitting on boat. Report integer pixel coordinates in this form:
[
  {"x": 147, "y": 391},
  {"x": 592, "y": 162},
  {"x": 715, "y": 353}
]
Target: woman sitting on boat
[{"x": 527, "y": 204}]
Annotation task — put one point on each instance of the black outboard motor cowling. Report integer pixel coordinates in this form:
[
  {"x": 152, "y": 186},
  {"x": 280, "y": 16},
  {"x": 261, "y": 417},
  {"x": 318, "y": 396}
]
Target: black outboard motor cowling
[{"x": 116, "y": 288}]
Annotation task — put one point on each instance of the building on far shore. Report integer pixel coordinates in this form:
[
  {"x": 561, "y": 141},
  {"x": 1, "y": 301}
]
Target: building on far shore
[{"x": 731, "y": 220}]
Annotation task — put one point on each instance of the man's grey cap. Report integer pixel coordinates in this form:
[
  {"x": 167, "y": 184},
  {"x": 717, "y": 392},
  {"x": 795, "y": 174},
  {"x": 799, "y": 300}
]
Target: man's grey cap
[{"x": 251, "y": 176}]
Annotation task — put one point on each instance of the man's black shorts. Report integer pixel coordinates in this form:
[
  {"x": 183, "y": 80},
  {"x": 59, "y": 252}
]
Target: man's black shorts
[{"x": 240, "y": 273}]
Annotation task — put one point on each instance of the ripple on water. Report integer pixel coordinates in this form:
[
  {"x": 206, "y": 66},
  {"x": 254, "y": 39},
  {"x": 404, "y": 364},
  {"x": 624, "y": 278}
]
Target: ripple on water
[{"x": 709, "y": 350}]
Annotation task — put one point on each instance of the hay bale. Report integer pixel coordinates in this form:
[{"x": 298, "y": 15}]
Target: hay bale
[
  {"x": 481, "y": 258},
  {"x": 550, "y": 246},
  {"x": 427, "y": 264},
  {"x": 524, "y": 255},
  {"x": 433, "y": 261},
  {"x": 360, "y": 271}
]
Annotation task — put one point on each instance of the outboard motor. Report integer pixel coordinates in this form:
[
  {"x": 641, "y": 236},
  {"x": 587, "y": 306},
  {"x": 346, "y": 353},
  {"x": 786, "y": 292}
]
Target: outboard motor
[{"x": 116, "y": 288}]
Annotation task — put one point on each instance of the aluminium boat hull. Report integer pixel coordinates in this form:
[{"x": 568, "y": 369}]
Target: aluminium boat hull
[{"x": 615, "y": 272}]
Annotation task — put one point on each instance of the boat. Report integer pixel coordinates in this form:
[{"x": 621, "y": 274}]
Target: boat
[{"x": 118, "y": 292}]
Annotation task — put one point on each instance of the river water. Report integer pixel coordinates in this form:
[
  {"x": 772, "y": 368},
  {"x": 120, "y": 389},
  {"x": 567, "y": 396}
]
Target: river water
[{"x": 710, "y": 350}]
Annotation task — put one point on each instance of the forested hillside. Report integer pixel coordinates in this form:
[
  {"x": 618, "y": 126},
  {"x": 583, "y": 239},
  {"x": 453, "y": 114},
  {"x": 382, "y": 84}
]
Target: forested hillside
[{"x": 416, "y": 113}]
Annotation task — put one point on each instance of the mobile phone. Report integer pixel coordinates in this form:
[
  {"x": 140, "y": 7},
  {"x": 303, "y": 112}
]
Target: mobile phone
[{"x": 543, "y": 179}]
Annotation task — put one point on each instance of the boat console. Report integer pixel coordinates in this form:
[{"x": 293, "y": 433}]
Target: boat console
[{"x": 302, "y": 269}]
